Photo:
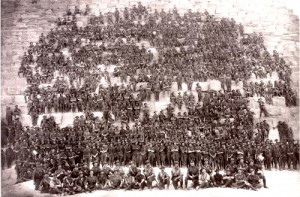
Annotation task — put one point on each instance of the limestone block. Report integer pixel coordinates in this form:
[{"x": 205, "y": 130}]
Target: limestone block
[
  {"x": 214, "y": 85},
  {"x": 253, "y": 102},
  {"x": 13, "y": 91},
  {"x": 274, "y": 110},
  {"x": 26, "y": 120},
  {"x": 279, "y": 101}
]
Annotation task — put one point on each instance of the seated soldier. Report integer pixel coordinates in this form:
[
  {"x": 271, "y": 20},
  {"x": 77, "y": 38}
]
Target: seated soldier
[
  {"x": 68, "y": 184},
  {"x": 45, "y": 184},
  {"x": 56, "y": 186},
  {"x": 239, "y": 179},
  {"x": 139, "y": 181},
  {"x": 149, "y": 174},
  {"x": 103, "y": 181},
  {"x": 218, "y": 179},
  {"x": 192, "y": 174},
  {"x": 228, "y": 178},
  {"x": 252, "y": 180},
  {"x": 115, "y": 180},
  {"x": 163, "y": 179},
  {"x": 203, "y": 179},
  {"x": 25, "y": 176},
  {"x": 177, "y": 176},
  {"x": 79, "y": 183},
  {"x": 91, "y": 183}
]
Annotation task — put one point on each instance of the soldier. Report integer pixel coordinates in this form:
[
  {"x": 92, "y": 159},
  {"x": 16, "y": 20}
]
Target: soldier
[
  {"x": 38, "y": 175},
  {"x": 176, "y": 176},
  {"x": 2, "y": 159},
  {"x": 56, "y": 186},
  {"x": 34, "y": 114},
  {"x": 191, "y": 153},
  {"x": 149, "y": 174},
  {"x": 9, "y": 156},
  {"x": 91, "y": 182},
  {"x": 44, "y": 185},
  {"x": 218, "y": 179},
  {"x": 79, "y": 184},
  {"x": 262, "y": 108},
  {"x": 199, "y": 92},
  {"x": 192, "y": 174},
  {"x": 103, "y": 154},
  {"x": 162, "y": 154},
  {"x": 127, "y": 153},
  {"x": 183, "y": 155},
  {"x": 204, "y": 179},
  {"x": 252, "y": 180},
  {"x": 24, "y": 176},
  {"x": 258, "y": 170},
  {"x": 151, "y": 154},
  {"x": 139, "y": 181},
  {"x": 163, "y": 179},
  {"x": 239, "y": 179},
  {"x": 9, "y": 116},
  {"x": 174, "y": 153},
  {"x": 96, "y": 168}
]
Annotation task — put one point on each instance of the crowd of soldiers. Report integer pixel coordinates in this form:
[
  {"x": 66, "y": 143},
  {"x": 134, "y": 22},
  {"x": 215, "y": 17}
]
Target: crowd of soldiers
[
  {"x": 192, "y": 47},
  {"x": 216, "y": 133}
]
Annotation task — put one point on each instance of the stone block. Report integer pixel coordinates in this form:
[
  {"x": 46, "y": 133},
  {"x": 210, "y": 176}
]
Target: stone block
[
  {"x": 214, "y": 85},
  {"x": 279, "y": 101},
  {"x": 13, "y": 91}
]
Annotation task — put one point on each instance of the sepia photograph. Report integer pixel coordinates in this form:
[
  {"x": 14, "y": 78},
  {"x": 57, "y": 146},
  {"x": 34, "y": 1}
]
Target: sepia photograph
[{"x": 151, "y": 98}]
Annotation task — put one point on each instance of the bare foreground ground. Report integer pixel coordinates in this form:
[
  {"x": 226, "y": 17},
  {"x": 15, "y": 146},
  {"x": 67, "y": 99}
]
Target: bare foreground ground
[{"x": 281, "y": 183}]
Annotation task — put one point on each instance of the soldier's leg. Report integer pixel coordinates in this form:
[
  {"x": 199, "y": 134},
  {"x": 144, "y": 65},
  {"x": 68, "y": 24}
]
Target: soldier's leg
[{"x": 186, "y": 181}]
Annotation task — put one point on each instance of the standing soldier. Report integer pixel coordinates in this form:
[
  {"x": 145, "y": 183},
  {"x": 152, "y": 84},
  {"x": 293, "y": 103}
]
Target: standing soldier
[
  {"x": 179, "y": 82},
  {"x": 174, "y": 153},
  {"x": 162, "y": 154},
  {"x": 10, "y": 156},
  {"x": 199, "y": 92},
  {"x": 9, "y": 116},
  {"x": 127, "y": 153},
  {"x": 191, "y": 153},
  {"x": 103, "y": 154},
  {"x": 38, "y": 175},
  {"x": 262, "y": 108},
  {"x": 151, "y": 154},
  {"x": 34, "y": 114},
  {"x": 2, "y": 159},
  {"x": 183, "y": 155}
]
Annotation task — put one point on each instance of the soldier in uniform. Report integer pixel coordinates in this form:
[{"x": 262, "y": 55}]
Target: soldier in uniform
[
  {"x": 204, "y": 179},
  {"x": 262, "y": 108},
  {"x": 174, "y": 153},
  {"x": 38, "y": 175},
  {"x": 26, "y": 175},
  {"x": 149, "y": 174},
  {"x": 96, "y": 168},
  {"x": 9, "y": 156},
  {"x": 183, "y": 155},
  {"x": 44, "y": 185},
  {"x": 252, "y": 180},
  {"x": 176, "y": 176},
  {"x": 192, "y": 174},
  {"x": 91, "y": 182},
  {"x": 115, "y": 179},
  {"x": 163, "y": 179},
  {"x": 239, "y": 179}
]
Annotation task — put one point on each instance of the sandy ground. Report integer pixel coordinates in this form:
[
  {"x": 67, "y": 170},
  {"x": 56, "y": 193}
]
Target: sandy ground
[{"x": 280, "y": 183}]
